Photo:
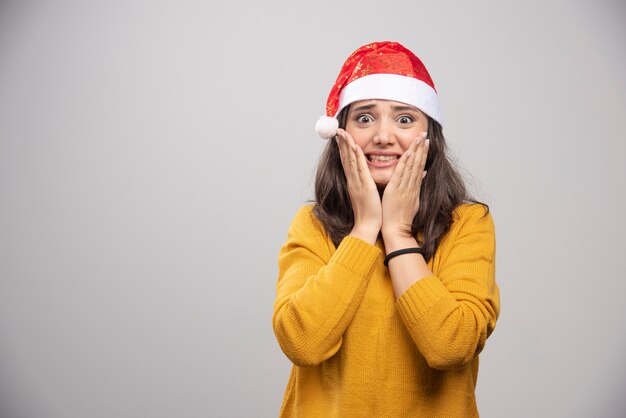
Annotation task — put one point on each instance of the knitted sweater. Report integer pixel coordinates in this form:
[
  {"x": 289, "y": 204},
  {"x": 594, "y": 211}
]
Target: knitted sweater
[{"x": 356, "y": 350}]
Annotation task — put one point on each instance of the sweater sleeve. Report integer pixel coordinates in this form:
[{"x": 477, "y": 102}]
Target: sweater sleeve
[
  {"x": 450, "y": 316},
  {"x": 318, "y": 291}
]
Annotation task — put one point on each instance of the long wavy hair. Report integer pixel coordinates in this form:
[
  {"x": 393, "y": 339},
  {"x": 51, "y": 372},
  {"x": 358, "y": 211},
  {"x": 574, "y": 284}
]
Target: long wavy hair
[{"x": 442, "y": 190}]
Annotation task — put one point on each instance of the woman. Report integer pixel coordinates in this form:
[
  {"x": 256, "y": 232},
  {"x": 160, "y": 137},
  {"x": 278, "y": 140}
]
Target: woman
[{"x": 386, "y": 291}]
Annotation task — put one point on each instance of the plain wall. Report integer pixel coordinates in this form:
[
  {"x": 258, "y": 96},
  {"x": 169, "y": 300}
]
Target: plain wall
[{"x": 153, "y": 154}]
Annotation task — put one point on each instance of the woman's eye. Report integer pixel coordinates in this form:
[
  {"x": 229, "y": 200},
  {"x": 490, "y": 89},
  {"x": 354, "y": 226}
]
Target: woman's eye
[
  {"x": 405, "y": 119},
  {"x": 364, "y": 119}
]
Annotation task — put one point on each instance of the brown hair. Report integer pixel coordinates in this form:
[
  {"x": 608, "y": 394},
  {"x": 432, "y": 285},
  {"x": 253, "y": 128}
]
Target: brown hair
[{"x": 442, "y": 190}]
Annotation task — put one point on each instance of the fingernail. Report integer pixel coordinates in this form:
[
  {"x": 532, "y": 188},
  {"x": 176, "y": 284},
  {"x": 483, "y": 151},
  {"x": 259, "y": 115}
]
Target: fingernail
[
  {"x": 418, "y": 140},
  {"x": 427, "y": 142},
  {"x": 423, "y": 134},
  {"x": 424, "y": 175}
]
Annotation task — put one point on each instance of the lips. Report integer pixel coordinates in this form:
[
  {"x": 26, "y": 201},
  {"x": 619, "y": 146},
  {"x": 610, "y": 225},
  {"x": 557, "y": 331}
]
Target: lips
[
  {"x": 382, "y": 156},
  {"x": 382, "y": 160}
]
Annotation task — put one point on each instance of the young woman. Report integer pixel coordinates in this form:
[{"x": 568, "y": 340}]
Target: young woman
[{"x": 386, "y": 289}]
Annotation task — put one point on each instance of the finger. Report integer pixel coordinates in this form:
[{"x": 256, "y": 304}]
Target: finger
[
  {"x": 351, "y": 158},
  {"x": 411, "y": 164},
  {"x": 398, "y": 172},
  {"x": 341, "y": 147},
  {"x": 359, "y": 155},
  {"x": 425, "y": 158},
  {"x": 419, "y": 160},
  {"x": 356, "y": 166},
  {"x": 344, "y": 153},
  {"x": 363, "y": 170},
  {"x": 419, "y": 170},
  {"x": 349, "y": 140}
]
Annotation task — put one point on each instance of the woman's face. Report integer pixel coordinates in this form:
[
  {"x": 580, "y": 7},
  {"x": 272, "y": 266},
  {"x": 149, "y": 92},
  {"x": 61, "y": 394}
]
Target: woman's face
[{"x": 384, "y": 130}]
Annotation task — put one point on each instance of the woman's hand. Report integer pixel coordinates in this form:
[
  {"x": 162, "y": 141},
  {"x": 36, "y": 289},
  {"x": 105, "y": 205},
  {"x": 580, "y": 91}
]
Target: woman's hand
[
  {"x": 363, "y": 192},
  {"x": 401, "y": 198}
]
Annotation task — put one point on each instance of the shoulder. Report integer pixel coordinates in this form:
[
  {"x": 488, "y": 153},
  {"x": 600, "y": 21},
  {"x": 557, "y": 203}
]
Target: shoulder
[
  {"x": 306, "y": 231},
  {"x": 472, "y": 230},
  {"x": 470, "y": 211},
  {"x": 472, "y": 219},
  {"x": 305, "y": 217},
  {"x": 305, "y": 210},
  {"x": 305, "y": 222}
]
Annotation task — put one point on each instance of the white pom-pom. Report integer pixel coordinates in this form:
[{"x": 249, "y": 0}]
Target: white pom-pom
[{"x": 326, "y": 127}]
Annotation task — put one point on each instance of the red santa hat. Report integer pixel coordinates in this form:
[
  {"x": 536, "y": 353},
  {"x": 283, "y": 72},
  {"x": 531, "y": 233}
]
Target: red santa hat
[{"x": 380, "y": 70}]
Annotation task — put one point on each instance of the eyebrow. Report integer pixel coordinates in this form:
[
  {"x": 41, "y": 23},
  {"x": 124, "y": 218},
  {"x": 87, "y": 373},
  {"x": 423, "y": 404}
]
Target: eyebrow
[
  {"x": 364, "y": 107},
  {"x": 405, "y": 108},
  {"x": 395, "y": 108}
]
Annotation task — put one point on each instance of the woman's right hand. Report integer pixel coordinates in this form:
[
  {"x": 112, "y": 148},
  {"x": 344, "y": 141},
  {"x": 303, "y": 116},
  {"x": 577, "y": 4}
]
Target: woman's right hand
[{"x": 366, "y": 203}]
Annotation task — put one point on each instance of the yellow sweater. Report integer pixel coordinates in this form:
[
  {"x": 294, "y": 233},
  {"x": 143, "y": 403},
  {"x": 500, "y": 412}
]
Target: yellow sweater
[{"x": 356, "y": 350}]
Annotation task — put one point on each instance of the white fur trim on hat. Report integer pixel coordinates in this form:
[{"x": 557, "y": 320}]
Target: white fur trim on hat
[
  {"x": 326, "y": 127},
  {"x": 398, "y": 88}
]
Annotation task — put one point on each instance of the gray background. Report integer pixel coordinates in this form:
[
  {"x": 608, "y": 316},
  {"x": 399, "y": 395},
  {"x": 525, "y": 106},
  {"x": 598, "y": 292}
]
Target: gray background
[{"x": 153, "y": 154}]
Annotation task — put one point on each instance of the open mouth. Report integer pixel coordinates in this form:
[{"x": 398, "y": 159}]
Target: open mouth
[{"x": 381, "y": 158}]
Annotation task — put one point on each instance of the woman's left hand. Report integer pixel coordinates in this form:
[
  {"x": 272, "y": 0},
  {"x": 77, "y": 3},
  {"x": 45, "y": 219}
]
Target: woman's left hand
[{"x": 401, "y": 197}]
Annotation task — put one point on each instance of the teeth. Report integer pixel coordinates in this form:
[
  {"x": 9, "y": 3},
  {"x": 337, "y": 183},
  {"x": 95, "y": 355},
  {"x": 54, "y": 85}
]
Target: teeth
[{"x": 382, "y": 157}]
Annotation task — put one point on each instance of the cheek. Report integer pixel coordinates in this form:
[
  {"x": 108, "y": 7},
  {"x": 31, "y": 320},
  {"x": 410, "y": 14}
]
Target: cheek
[
  {"x": 360, "y": 137},
  {"x": 407, "y": 140}
]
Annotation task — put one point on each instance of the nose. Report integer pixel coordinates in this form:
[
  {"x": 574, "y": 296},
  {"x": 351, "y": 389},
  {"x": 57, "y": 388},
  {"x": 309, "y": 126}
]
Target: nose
[{"x": 384, "y": 134}]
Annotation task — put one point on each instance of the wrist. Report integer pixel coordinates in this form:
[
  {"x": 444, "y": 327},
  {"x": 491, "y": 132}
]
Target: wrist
[
  {"x": 399, "y": 229},
  {"x": 368, "y": 234},
  {"x": 403, "y": 251},
  {"x": 395, "y": 242}
]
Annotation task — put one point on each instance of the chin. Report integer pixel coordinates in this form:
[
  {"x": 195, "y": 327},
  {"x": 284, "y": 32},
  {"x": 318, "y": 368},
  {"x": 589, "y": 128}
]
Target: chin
[
  {"x": 381, "y": 183},
  {"x": 381, "y": 179}
]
